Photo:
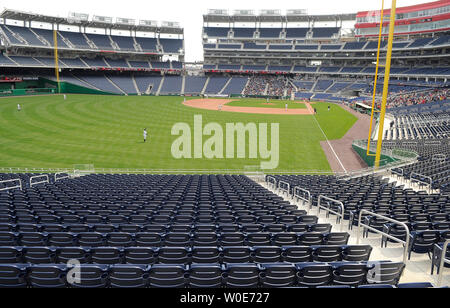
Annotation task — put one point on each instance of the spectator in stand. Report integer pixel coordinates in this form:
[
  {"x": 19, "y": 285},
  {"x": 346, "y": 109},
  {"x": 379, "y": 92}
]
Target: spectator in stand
[
  {"x": 417, "y": 98},
  {"x": 274, "y": 85}
]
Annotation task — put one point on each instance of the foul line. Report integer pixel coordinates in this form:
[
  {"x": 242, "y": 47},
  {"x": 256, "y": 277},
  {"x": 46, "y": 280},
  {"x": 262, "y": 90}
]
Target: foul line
[{"x": 332, "y": 149}]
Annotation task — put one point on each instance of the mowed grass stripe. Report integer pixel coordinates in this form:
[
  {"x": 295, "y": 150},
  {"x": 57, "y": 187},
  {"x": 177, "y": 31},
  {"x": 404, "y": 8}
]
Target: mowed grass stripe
[{"x": 107, "y": 131}]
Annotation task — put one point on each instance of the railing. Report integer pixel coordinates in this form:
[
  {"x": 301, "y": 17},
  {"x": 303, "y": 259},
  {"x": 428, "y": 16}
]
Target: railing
[
  {"x": 61, "y": 176},
  {"x": 34, "y": 170},
  {"x": 329, "y": 210},
  {"x": 443, "y": 261},
  {"x": 305, "y": 197},
  {"x": 287, "y": 186},
  {"x": 161, "y": 171},
  {"x": 47, "y": 180},
  {"x": 272, "y": 183},
  {"x": 405, "y": 243},
  {"x": 417, "y": 179},
  {"x": 402, "y": 158},
  {"x": 399, "y": 173},
  {"x": 12, "y": 187}
]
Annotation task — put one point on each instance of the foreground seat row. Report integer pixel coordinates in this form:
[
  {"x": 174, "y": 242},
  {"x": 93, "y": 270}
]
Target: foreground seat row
[
  {"x": 160, "y": 228},
  {"x": 181, "y": 255},
  {"x": 94, "y": 239},
  {"x": 201, "y": 275}
]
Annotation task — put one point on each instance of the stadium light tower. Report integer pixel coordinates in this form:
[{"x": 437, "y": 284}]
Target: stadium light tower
[{"x": 386, "y": 83}]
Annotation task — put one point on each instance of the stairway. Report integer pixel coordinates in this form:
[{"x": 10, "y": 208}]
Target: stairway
[
  {"x": 116, "y": 86},
  {"x": 314, "y": 86},
  {"x": 205, "y": 86},
  {"x": 160, "y": 86},
  {"x": 135, "y": 85},
  {"x": 90, "y": 43},
  {"x": 44, "y": 41},
  {"x": 88, "y": 85},
  {"x": 246, "y": 85},
  {"x": 225, "y": 86},
  {"x": 15, "y": 35},
  {"x": 183, "y": 85}
]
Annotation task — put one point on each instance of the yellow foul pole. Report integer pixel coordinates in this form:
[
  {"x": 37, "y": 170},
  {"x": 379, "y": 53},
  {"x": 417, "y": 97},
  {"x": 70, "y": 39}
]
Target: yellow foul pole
[
  {"x": 369, "y": 140},
  {"x": 55, "y": 42},
  {"x": 387, "y": 75}
]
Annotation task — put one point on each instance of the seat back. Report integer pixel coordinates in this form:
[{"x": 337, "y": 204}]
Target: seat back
[
  {"x": 352, "y": 274},
  {"x": 167, "y": 276},
  {"x": 385, "y": 272},
  {"x": 314, "y": 274},
  {"x": 279, "y": 275},
  {"x": 241, "y": 275},
  {"x": 128, "y": 276},
  {"x": 205, "y": 276}
]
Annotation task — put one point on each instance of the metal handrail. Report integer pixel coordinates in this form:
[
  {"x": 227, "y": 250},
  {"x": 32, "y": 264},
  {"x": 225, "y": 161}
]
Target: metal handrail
[
  {"x": 329, "y": 210},
  {"x": 405, "y": 243},
  {"x": 430, "y": 185},
  {"x": 47, "y": 180},
  {"x": 299, "y": 197},
  {"x": 443, "y": 260},
  {"x": 12, "y": 187},
  {"x": 162, "y": 171},
  {"x": 398, "y": 174},
  {"x": 274, "y": 184},
  {"x": 58, "y": 177},
  {"x": 287, "y": 191}
]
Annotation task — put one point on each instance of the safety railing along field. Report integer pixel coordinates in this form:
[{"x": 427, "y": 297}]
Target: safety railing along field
[
  {"x": 422, "y": 180},
  {"x": 330, "y": 209},
  {"x": 300, "y": 193},
  {"x": 386, "y": 235},
  {"x": 161, "y": 171},
  {"x": 18, "y": 181},
  {"x": 41, "y": 179}
]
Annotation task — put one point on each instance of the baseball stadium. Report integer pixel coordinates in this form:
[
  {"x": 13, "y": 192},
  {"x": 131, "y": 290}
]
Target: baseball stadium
[{"x": 303, "y": 151}]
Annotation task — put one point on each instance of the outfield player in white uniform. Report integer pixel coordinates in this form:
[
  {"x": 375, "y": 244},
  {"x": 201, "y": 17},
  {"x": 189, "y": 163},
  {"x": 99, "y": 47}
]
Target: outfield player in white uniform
[
  {"x": 145, "y": 135},
  {"x": 18, "y": 107}
]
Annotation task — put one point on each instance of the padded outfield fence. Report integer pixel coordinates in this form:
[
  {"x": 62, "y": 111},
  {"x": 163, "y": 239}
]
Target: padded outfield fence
[
  {"x": 28, "y": 92},
  {"x": 389, "y": 157}
]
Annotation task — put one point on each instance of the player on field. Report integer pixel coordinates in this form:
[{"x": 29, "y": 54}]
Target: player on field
[
  {"x": 145, "y": 135},
  {"x": 18, "y": 107}
]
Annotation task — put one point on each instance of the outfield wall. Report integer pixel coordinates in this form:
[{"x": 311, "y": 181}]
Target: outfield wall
[
  {"x": 388, "y": 157},
  {"x": 27, "y": 92},
  {"x": 370, "y": 160},
  {"x": 46, "y": 87},
  {"x": 70, "y": 88}
]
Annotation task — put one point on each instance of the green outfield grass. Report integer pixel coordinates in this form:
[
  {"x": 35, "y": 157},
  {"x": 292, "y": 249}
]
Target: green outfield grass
[
  {"x": 262, "y": 103},
  {"x": 107, "y": 131}
]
